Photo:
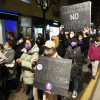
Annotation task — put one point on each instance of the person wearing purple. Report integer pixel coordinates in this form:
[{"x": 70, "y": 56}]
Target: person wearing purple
[
  {"x": 30, "y": 52},
  {"x": 74, "y": 52},
  {"x": 94, "y": 55}
]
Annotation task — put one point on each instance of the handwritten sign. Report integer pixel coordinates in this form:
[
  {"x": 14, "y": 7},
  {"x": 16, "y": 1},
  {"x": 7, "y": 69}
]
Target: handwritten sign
[
  {"x": 53, "y": 74},
  {"x": 76, "y": 17}
]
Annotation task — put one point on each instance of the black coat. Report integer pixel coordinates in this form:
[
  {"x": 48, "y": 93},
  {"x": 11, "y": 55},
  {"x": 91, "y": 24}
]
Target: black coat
[
  {"x": 61, "y": 49},
  {"x": 86, "y": 45},
  {"x": 18, "y": 52},
  {"x": 63, "y": 44},
  {"x": 75, "y": 54},
  {"x": 14, "y": 43}
]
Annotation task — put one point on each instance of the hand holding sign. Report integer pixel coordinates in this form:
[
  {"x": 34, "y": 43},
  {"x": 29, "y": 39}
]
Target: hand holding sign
[
  {"x": 19, "y": 61},
  {"x": 35, "y": 60},
  {"x": 86, "y": 30},
  {"x": 53, "y": 75}
]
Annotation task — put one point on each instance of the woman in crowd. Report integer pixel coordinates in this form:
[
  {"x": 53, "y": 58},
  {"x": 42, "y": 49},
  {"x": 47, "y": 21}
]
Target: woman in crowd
[
  {"x": 40, "y": 43},
  {"x": 74, "y": 52},
  {"x": 11, "y": 36},
  {"x": 56, "y": 40},
  {"x": 80, "y": 42},
  {"x": 59, "y": 45},
  {"x": 50, "y": 51},
  {"x": 20, "y": 46},
  {"x": 94, "y": 55},
  {"x": 86, "y": 41},
  {"x": 30, "y": 52},
  {"x": 8, "y": 70}
]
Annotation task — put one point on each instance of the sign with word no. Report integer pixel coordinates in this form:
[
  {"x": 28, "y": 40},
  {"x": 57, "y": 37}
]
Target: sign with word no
[{"x": 76, "y": 17}]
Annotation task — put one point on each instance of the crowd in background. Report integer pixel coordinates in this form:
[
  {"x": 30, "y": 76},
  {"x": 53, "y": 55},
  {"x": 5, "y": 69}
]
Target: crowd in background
[{"x": 21, "y": 56}]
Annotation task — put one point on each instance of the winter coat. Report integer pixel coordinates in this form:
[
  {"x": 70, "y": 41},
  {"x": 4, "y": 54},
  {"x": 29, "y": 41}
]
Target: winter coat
[
  {"x": 14, "y": 40},
  {"x": 2, "y": 58},
  {"x": 61, "y": 49},
  {"x": 27, "y": 73},
  {"x": 94, "y": 52},
  {"x": 77, "y": 60},
  {"x": 9, "y": 54},
  {"x": 10, "y": 63},
  {"x": 86, "y": 44},
  {"x": 40, "y": 45}
]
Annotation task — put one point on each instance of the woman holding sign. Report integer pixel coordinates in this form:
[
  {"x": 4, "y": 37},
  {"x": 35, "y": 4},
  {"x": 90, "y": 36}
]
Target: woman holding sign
[
  {"x": 50, "y": 51},
  {"x": 74, "y": 52}
]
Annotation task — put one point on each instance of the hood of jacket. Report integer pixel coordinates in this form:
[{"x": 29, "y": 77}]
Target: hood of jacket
[{"x": 32, "y": 50}]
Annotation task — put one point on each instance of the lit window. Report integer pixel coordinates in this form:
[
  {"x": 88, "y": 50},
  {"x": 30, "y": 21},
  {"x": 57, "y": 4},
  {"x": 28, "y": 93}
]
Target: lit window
[{"x": 27, "y": 1}]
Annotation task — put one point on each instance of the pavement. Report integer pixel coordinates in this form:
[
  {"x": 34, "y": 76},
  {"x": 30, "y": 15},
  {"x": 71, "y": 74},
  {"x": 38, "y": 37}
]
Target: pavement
[
  {"x": 83, "y": 83},
  {"x": 21, "y": 95},
  {"x": 96, "y": 94},
  {"x": 89, "y": 91}
]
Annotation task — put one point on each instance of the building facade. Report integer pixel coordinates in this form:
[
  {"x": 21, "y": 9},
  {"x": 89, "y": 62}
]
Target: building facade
[{"x": 25, "y": 15}]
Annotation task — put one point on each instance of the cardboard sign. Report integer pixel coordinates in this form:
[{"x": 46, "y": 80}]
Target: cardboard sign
[
  {"x": 76, "y": 17},
  {"x": 53, "y": 74}
]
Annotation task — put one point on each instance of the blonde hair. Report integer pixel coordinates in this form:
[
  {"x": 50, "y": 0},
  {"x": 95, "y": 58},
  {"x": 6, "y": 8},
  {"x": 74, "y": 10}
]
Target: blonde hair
[{"x": 56, "y": 40}]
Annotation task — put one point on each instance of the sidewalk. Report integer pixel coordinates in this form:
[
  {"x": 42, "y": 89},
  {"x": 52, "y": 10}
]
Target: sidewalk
[
  {"x": 90, "y": 90},
  {"x": 96, "y": 95},
  {"x": 21, "y": 95}
]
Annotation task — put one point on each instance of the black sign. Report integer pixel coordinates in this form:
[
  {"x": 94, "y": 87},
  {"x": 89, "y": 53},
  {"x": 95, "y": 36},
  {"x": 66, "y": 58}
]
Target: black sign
[
  {"x": 76, "y": 17},
  {"x": 53, "y": 74}
]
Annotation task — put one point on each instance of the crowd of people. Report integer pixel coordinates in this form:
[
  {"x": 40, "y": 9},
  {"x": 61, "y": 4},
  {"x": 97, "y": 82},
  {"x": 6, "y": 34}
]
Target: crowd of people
[{"x": 18, "y": 59}]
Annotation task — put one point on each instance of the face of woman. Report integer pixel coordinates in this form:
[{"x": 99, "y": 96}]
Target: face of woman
[
  {"x": 6, "y": 45},
  {"x": 21, "y": 39},
  {"x": 72, "y": 34},
  {"x": 80, "y": 36},
  {"x": 28, "y": 42}
]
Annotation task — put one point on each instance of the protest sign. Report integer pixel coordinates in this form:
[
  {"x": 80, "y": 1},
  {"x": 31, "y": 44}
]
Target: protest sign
[
  {"x": 53, "y": 74},
  {"x": 76, "y": 17}
]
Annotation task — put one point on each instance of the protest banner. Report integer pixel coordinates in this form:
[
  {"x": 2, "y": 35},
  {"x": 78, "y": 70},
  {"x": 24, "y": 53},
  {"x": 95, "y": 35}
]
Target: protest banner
[
  {"x": 76, "y": 17},
  {"x": 53, "y": 74}
]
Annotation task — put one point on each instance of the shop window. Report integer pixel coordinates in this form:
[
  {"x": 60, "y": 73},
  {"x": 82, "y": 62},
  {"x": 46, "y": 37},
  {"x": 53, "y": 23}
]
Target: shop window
[{"x": 27, "y": 1}]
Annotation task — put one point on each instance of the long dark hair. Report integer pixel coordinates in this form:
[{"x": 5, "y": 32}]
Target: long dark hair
[{"x": 32, "y": 41}]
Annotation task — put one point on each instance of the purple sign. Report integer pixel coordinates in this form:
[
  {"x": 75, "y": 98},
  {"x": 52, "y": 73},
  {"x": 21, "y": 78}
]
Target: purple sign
[{"x": 48, "y": 86}]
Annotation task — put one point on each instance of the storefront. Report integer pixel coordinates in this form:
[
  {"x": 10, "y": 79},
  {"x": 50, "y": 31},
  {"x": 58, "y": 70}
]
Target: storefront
[
  {"x": 51, "y": 27},
  {"x": 8, "y": 22}
]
